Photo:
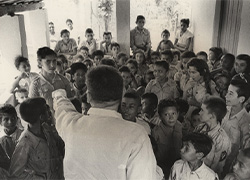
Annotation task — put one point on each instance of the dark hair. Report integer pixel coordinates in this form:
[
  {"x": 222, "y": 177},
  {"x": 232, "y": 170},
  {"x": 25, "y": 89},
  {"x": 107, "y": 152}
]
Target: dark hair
[
  {"x": 165, "y": 31},
  {"x": 32, "y": 108},
  {"x": 63, "y": 58},
  {"x": 59, "y": 63},
  {"x": 69, "y": 20},
  {"x": 202, "y": 143},
  {"x": 246, "y": 152},
  {"x": 202, "y": 53},
  {"x": 217, "y": 52},
  {"x": 169, "y": 53},
  {"x": 88, "y": 60},
  {"x": 139, "y": 17},
  {"x": 202, "y": 67},
  {"x": 7, "y": 109},
  {"x": 155, "y": 53},
  {"x": 107, "y": 33},
  {"x": 163, "y": 64},
  {"x": 89, "y": 30},
  {"x": 188, "y": 54},
  {"x": 77, "y": 104},
  {"x": 97, "y": 53},
  {"x": 217, "y": 106},
  {"x": 230, "y": 58},
  {"x": 107, "y": 61},
  {"x": 79, "y": 57},
  {"x": 19, "y": 60},
  {"x": 133, "y": 95},
  {"x": 134, "y": 62},
  {"x": 104, "y": 83},
  {"x": 241, "y": 81},
  {"x": 75, "y": 66},
  {"x": 246, "y": 58},
  {"x": 153, "y": 99},
  {"x": 186, "y": 21},
  {"x": 64, "y": 31},
  {"x": 124, "y": 69},
  {"x": 114, "y": 44},
  {"x": 21, "y": 90},
  {"x": 141, "y": 52},
  {"x": 164, "y": 103},
  {"x": 195, "y": 112},
  {"x": 176, "y": 52},
  {"x": 183, "y": 105},
  {"x": 45, "y": 51},
  {"x": 51, "y": 23},
  {"x": 121, "y": 54},
  {"x": 84, "y": 48}
]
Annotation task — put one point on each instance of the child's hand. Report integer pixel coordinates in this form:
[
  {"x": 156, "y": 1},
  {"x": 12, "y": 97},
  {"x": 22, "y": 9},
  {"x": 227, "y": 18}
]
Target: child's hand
[
  {"x": 23, "y": 75},
  {"x": 190, "y": 84}
]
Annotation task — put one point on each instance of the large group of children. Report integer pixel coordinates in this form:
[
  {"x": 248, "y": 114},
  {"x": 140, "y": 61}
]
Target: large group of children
[{"x": 194, "y": 107}]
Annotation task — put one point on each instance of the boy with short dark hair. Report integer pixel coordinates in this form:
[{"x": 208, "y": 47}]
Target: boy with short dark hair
[
  {"x": 9, "y": 132},
  {"x": 39, "y": 152},
  {"x": 168, "y": 135},
  {"x": 202, "y": 55},
  {"x": 195, "y": 147},
  {"x": 90, "y": 42},
  {"x": 241, "y": 168},
  {"x": 121, "y": 59},
  {"x": 128, "y": 79},
  {"x": 115, "y": 49},
  {"x": 237, "y": 119},
  {"x": 162, "y": 85},
  {"x": 212, "y": 112},
  {"x": 97, "y": 56},
  {"x": 105, "y": 45}
]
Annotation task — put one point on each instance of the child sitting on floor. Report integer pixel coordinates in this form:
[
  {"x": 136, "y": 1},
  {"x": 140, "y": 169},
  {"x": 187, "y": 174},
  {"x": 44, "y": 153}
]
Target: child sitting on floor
[
  {"x": 115, "y": 49},
  {"x": 129, "y": 81},
  {"x": 141, "y": 61},
  {"x": 121, "y": 59},
  {"x": 97, "y": 57},
  {"x": 39, "y": 152},
  {"x": 9, "y": 132},
  {"x": 168, "y": 135},
  {"x": 195, "y": 147},
  {"x": 165, "y": 43}
]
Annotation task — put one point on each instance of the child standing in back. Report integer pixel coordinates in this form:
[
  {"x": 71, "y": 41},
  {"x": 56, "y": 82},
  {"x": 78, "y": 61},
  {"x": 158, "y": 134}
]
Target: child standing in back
[
  {"x": 105, "y": 45},
  {"x": 165, "y": 43},
  {"x": 90, "y": 42}
]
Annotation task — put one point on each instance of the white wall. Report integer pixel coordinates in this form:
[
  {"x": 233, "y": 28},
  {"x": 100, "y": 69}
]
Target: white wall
[
  {"x": 203, "y": 13},
  {"x": 244, "y": 36}
]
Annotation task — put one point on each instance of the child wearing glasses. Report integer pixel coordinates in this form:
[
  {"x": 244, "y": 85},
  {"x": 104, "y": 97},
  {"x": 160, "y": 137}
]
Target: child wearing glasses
[{"x": 90, "y": 42}]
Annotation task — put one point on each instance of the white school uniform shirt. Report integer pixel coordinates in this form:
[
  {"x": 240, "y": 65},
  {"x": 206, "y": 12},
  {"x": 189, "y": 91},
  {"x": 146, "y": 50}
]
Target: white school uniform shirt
[
  {"x": 182, "y": 171},
  {"x": 102, "y": 145}
]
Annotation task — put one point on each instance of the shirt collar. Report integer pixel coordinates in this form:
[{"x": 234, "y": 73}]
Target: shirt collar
[
  {"x": 239, "y": 115},
  {"x": 34, "y": 140},
  {"x": 143, "y": 30},
  {"x": 214, "y": 130},
  {"x": 44, "y": 81},
  {"x": 167, "y": 83},
  {"x": 104, "y": 112}
]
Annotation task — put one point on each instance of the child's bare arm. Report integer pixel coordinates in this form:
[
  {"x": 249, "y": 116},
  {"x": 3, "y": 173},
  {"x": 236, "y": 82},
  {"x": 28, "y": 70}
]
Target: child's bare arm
[{"x": 17, "y": 80}]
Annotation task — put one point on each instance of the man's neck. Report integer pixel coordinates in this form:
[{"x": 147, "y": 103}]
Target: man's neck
[
  {"x": 36, "y": 129},
  {"x": 236, "y": 109},
  {"x": 112, "y": 105},
  {"x": 212, "y": 124},
  {"x": 195, "y": 165},
  {"x": 48, "y": 76}
]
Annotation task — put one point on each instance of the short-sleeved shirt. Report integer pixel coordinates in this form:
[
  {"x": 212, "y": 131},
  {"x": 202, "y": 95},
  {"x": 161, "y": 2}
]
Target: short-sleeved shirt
[
  {"x": 168, "y": 90},
  {"x": 139, "y": 39},
  {"x": 106, "y": 48},
  {"x": 182, "y": 171},
  {"x": 40, "y": 87},
  {"x": 61, "y": 47},
  {"x": 36, "y": 158},
  {"x": 221, "y": 146},
  {"x": 182, "y": 40},
  {"x": 91, "y": 46}
]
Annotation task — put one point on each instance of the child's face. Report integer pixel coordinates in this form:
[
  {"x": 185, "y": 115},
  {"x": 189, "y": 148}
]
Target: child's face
[
  {"x": 165, "y": 57},
  {"x": 165, "y": 36},
  {"x": 195, "y": 120},
  {"x": 184, "y": 62},
  {"x": 132, "y": 68},
  {"x": 194, "y": 74},
  {"x": 148, "y": 78},
  {"x": 242, "y": 167},
  {"x": 205, "y": 115},
  {"x": 222, "y": 83},
  {"x": 232, "y": 97},
  {"x": 169, "y": 116},
  {"x": 202, "y": 57},
  {"x": 176, "y": 57},
  {"x": 240, "y": 66},
  {"x": 89, "y": 64},
  {"x": 65, "y": 37},
  {"x": 121, "y": 61},
  {"x": 24, "y": 67},
  {"x": 89, "y": 36},
  {"x": 188, "y": 152},
  {"x": 51, "y": 28},
  {"x": 97, "y": 59},
  {"x": 140, "y": 23},
  {"x": 115, "y": 50},
  {"x": 146, "y": 106},
  {"x": 211, "y": 55},
  {"x": 8, "y": 121},
  {"x": 126, "y": 76},
  {"x": 49, "y": 64},
  {"x": 129, "y": 109},
  {"x": 160, "y": 73},
  {"x": 21, "y": 96},
  {"x": 84, "y": 53},
  {"x": 107, "y": 38},
  {"x": 70, "y": 24},
  {"x": 183, "y": 27},
  {"x": 139, "y": 58},
  {"x": 79, "y": 78},
  {"x": 154, "y": 58}
]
